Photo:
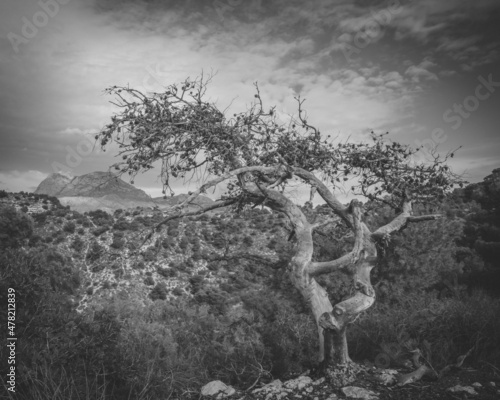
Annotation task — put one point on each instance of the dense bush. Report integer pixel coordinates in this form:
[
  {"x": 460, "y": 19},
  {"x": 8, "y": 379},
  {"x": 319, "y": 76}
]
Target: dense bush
[
  {"x": 118, "y": 242},
  {"x": 149, "y": 255},
  {"x": 77, "y": 244},
  {"x": 149, "y": 281},
  {"x": 121, "y": 225},
  {"x": 444, "y": 329},
  {"x": 183, "y": 244},
  {"x": 69, "y": 227},
  {"x": 95, "y": 251},
  {"x": 159, "y": 292},
  {"x": 100, "y": 230},
  {"x": 15, "y": 227},
  {"x": 167, "y": 272}
]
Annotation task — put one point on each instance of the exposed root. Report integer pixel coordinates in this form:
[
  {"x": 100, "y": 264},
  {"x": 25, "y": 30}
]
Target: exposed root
[
  {"x": 416, "y": 375},
  {"x": 458, "y": 364},
  {"x": 424, "y": 370}
]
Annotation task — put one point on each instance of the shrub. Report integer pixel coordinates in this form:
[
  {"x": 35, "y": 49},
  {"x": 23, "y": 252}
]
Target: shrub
[
  {"x": 100, "y": 230},
  {"x": 196, "y": 283},
  {"x": 149, "y": 255},
  {"x": 134, "y": 226},
  {"x": 132, "y": 245},
  {"x": 166, "y": 272},
  {"x": 149, "y": 281},
  {"x": 247, "y": 241},
  {"x": 121, "y": 225},
  {"x": 77, "y": 244},
  {"x": 159, "y": 292},
  {"x": 15, "y": 227},
  {"x": 118, "y": 242},
  {"x": 139, "y": 265},
  {"x": 183, "y": 244},
  {"x": 86, "y": 223},
  {"x": 69, "y": 227},
  {"x": 95, "y": 251}
]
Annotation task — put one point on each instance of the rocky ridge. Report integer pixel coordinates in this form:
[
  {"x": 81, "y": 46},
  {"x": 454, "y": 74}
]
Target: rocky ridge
[{"x": 105, "y": 191}]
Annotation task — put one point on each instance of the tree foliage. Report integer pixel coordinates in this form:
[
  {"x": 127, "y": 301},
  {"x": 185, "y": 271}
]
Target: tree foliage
[
  {"x": 15, "y": 227},
  {"x": 189, "y": 134}
]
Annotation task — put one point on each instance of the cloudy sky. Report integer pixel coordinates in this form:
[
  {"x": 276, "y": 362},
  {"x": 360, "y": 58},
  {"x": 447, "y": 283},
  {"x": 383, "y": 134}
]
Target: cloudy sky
[{"x": 427, "y": 71}]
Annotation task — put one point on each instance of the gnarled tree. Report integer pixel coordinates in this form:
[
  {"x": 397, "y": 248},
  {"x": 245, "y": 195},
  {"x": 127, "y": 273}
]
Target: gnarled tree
[{"x": 254, "y": 155}]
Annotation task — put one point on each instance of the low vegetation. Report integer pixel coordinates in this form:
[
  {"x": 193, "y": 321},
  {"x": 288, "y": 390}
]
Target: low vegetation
[{"x": 97, "y": 320}]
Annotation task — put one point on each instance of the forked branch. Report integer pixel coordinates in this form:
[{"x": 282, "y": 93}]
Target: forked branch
[{"x": 324, "y": 267}]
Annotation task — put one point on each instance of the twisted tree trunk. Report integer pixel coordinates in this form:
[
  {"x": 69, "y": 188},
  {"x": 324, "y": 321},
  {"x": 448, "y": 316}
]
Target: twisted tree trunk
[{"x": 331, "y": 321}]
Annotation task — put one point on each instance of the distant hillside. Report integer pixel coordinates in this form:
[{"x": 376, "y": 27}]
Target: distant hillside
[
  {"x": 104, "y": 191},
  {"x": 53, "y": 184},
  {"x": 187, "y": 257},
  {"x": 94, "y": 184}
]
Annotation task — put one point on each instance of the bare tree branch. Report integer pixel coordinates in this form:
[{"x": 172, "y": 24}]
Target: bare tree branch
[
  {"x": 401, "y": 221},
  {"x": 319, "y": 268},
  {"x": 396, "y": 224},
  {"x": 325, "y": 193},
  {"x": 202, "y": 210}
]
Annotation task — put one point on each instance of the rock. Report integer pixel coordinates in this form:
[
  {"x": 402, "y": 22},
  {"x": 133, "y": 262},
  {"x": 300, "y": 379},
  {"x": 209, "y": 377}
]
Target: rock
[
  {"x": 319, "y": 381},
  {"x": 477, "y": 385},
  {"x": 299, "y": 383},
  {"x": 332, "y": 397},
  {"x": 217, "y": 387},
  {"x": 492, "y": 384},
  {"x": 359, "y": 393},
  {"x": 53, "y": 184},
  {"x": 387, "y": 376},
  {"x": 460, "y": 388},
  {"x": 274, "y": 386}
]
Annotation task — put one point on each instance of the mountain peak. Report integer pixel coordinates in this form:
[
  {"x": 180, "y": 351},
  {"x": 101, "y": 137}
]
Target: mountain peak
[
  {"x": 53, "y": 184},
  {"x": 94, "y": 184}
]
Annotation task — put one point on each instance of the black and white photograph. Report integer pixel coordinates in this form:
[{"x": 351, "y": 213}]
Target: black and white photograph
[{"x": 249, "y": 199}]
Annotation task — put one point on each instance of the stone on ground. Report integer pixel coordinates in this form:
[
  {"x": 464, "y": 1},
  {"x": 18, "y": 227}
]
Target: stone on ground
[
  {"x": 219, "y": 388},
  {"x": 299, "y": 383},
  {"x": 462, "y": 389},
  {"x": 354, "y": 392}
]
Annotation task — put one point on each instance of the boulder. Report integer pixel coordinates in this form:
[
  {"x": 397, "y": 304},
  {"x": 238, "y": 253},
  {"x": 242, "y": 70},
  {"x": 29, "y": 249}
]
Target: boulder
[
  {"x": 274, "y": 386},
  {"x": 299, "y": 383},
  {"x": 354, "y": 392},
  {"x": 462, "y": 389},
  {"x": 386, "y": 376},
  {"x": 217, "y": 388}
]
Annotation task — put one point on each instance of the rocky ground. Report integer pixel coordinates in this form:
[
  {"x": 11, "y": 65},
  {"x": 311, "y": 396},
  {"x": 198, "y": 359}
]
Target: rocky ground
[{"x": 369, "y": 384}]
